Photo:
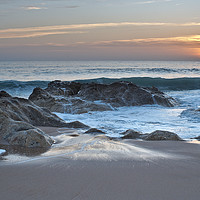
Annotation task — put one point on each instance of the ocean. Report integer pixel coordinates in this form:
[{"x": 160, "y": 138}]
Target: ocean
[{"x": 179, "y": 79}]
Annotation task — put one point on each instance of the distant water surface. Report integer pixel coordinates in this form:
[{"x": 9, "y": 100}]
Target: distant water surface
[{"x": 68, "y": 71}]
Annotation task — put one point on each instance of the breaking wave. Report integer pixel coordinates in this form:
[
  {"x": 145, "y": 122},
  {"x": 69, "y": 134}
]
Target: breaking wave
[
  {"x": 161, "y": 83},
  {"x": 24, "y": 88}
]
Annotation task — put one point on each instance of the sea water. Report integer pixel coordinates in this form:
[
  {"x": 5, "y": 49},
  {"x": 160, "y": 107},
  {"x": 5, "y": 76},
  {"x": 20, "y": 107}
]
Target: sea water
[{"x": 181, "y": 80}]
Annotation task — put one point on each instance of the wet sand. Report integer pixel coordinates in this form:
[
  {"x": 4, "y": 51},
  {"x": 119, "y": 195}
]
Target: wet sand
[{"x": 94, "y": 168}]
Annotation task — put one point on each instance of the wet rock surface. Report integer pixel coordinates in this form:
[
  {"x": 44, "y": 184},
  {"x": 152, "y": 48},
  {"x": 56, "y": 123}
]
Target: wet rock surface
[
  {"x": 18, "y": 118},
  {"x": 94, "y": 131},
  {"x": 131, "y": 134},
  {"x": 20, "y": 109},
  {"x": 63, "y": 104},
  {"x": 21, "y": 133},
  {"x": 73, "y": 97},
  {"x": 77, "y": 124},
  {"x": 156, "y": 135},
  {"x": 162, "y": 135}
]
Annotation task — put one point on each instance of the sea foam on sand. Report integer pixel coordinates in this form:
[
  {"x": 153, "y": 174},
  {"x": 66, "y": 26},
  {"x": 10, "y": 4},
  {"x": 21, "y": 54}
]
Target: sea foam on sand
[{"x": 2, "y": 151}]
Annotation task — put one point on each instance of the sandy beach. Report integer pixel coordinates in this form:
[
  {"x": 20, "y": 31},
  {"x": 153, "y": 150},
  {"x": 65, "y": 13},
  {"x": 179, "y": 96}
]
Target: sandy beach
[{"x": 94, "y": 168}]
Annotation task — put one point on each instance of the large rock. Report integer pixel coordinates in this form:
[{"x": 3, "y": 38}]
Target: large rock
[
  {"x": 162, "y": 135},
  {"x": 21, "y": 133},
  {"x": 94, "y": 131},
  {"x": 20, "y": 109},
  {"x": 43, "y": 99},
  {"x": 77, "y": 124},
  {"x": 18, "y": 118},
  {"x": 62, "y": 104},
  {"x": 64, "y": 88},
  {"x": 197, "y": 138},
  {"x": 73, "y": 97},
  {"x": 117, "y": 94},
  {"x": 125, "y": 94},
  {"x": 131, "y": 134}
]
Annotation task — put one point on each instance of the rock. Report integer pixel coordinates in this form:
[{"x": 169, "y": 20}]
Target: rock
[
  {"x": 122, "y": 94},
  {"x": 58, "y": 87},
  {"x": 94, "y": 131},
  {"x": 79, "y": 106},
  {"x": 162, "y": 135},
  {"x": 23, "y": 134},
  {"x": 76, "y": 124},
  {"x": 196, "y": 138},
  {"x": 20, "y": 109},
  {"x": 4, "y": 94},
  {"x": 59, "y": 104},
  {"x": 77, "y": 98},
  {"x": 30, "y": 138},
  {"x": 18, "y": 118},
  {"x": 74, "y": 135},
  {"x": 43, "y": 99},
  {"x": 131, "y": 134},
  {"x": 116, "y": 94}
]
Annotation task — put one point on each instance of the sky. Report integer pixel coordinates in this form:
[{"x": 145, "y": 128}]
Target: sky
[{"x": 99, "y": 30}]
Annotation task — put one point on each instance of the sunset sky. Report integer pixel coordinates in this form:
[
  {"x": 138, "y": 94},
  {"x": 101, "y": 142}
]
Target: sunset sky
[{"x": 99, "y": 30}]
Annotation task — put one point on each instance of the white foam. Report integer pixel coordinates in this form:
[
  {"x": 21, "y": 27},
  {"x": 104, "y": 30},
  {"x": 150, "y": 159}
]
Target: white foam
[
  {"x": 144, "y": 118},
  {"x": 2, "y": 151}
]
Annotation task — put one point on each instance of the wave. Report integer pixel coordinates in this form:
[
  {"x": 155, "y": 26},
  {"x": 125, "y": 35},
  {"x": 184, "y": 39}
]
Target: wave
[
  {"x": 161, "y": 83},
  {"x": 136, "y": 69},
  {"x": 21, "y": 88},
  {"x": 24, "y": 88}
]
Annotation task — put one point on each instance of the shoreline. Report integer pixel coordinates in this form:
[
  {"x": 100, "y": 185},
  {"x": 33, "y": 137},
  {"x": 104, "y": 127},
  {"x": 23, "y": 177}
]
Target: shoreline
[{"x": 94, "y": 167}]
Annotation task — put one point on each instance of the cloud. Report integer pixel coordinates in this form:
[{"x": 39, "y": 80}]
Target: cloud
[
  {"x": 145, "y": 2},
  {"x": 33, "y": 8},
  {"x": 152, "y": 1},
  {"x": 65, "y": 29},
  {"x": 191, "y": 41},
  {"x": 39, "y": 34}
]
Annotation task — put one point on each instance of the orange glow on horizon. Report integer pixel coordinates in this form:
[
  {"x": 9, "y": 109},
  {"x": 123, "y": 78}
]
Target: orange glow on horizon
[{"x": 198, "y": 52}]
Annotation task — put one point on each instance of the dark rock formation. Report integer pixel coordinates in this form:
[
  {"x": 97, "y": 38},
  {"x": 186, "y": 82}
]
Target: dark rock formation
[
  {"x": 131, "y": 134},
  {"x": 76, "y": 124},
  {"x": 18, "y": 118},
  {"x": 94, "y": 131},
  {"x": 162, "y": 135},
  {"x": 197, "y": 138},
  {"x": 24, "y": 110},
  {"x": 43, "y": 99},
  {"x": 21, "y": 133},
  {"x": 64, "y": 88},
  {"x": 4, "y": 94},
  {"x": 73, "y": 97},
  {"x": 20, "y": 109},
  {"x": 123, "y": 94},
  {"x": 62, "y": 104}
]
